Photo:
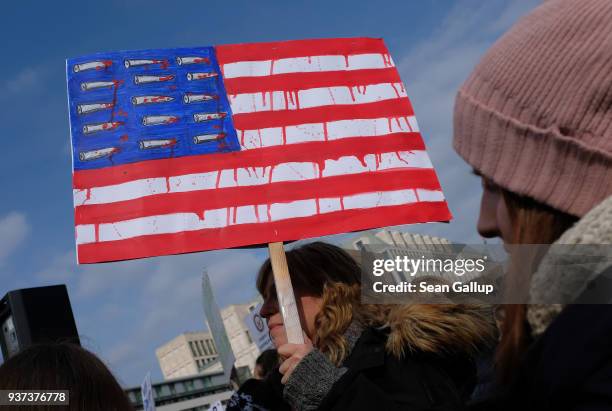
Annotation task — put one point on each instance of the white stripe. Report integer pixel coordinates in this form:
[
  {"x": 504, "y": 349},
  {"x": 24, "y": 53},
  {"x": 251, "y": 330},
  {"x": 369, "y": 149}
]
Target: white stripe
[
  {"x": 230, "y": 216},
  {"x": 294, "y": 209},
  {"x": 328, "y": 205},
  {"x": 384, "y": 198},
  {"x": 367, "y": 127},
  {"x": 306, "y": 65},
  {"x": 430, "y": 195},
  {"x": 295, "y": 172},
  {"x": 246, "y": 215},
  {"x": 79, "y": 196},
  {"x": 191, "y": 182},
  {"x": 315, "y": 97},
  {"x": 120, "y": 192},
  {"x": 85, "y": 233},
  {"x": 267, "y": 137},
  {"x": 244, "y": 177},
  {"x": 303, "y": 133},
  {"x": 386, "y": 161},
  {"x": 413, "y": 123}
]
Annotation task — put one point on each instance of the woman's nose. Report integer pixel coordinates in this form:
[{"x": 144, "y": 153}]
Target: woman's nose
[
  {"x": 269, "y": 308},
  {"x": 487, "y": 225}
]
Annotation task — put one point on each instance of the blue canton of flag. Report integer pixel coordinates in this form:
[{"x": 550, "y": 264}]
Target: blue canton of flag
[{"x": 127, "y": 107}]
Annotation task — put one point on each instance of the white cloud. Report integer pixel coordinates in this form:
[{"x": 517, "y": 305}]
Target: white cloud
[
  {"x": 433, "y": 70},
  {"x": 24, "y": 81},
  {"x": 14, "y": 229},
  {"x": 96, "y": 279},
  {"x": 93, "y": 280},
  {"x": 60, "y": 268}
]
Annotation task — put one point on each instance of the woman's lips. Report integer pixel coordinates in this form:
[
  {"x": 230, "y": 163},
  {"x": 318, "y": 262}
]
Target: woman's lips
[{"x": 273, "y": 326}]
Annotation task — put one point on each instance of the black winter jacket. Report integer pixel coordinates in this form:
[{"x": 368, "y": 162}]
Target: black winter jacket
[
  {"x": 376, "y": 380},
  {"x": 568, "y": 368}
]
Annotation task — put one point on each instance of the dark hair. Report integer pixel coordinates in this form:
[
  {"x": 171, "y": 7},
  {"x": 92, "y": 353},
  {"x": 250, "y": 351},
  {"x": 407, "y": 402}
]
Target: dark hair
[
  {"x": 311, "y": 266},
  {"x": 532, "y": 223},
  {"x": 64, "y": 366},
  {"x": 268, "y": 361}
]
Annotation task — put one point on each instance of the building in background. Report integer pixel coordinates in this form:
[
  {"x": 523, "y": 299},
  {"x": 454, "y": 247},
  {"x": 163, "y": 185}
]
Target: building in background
[
  {"x": 193, "y": 393},
  {"x": 191, "y": 353},
  {"x": 397, "y": 239},
  {"x": 389, "y": 244},
  {"x": 244, "y": 348},
  {"x": 186, "y": 354}
]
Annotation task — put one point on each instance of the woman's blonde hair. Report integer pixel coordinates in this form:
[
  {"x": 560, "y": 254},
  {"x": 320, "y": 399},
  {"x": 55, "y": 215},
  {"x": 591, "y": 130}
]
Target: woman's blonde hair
[{"x": 326, "y": 271}]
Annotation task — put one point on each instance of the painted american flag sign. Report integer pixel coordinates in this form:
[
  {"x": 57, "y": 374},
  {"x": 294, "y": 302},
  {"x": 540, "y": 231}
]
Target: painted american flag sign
[{"x": 192, "y": 149}]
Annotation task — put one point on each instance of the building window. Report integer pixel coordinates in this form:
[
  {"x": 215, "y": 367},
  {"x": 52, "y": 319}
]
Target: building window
[
  {"x": 165, "y": 390},
  {"x": 211, "y": 347},
  {"x": 201, "y": 342},
  {"x": 192, "y": 349}
]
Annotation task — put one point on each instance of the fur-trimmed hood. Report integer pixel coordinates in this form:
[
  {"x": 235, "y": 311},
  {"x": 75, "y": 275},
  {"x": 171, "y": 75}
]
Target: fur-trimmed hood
[
  {"x": 439, "y": 328},
  {"x": 563, "y": 286}
]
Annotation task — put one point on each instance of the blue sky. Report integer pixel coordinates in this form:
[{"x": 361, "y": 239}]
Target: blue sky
[{"x": 124, "y": 310}]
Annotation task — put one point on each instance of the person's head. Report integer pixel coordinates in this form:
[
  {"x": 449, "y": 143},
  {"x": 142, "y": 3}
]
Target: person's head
[
  {"x": 60, "y": 366},
  {"x": 327, "y": 284},
  {"x": 318, "y": 271},
  {"x": 266, "y": 363},
  {"x": 518, "y": 219},
  {"x": 534, "y": 120}
]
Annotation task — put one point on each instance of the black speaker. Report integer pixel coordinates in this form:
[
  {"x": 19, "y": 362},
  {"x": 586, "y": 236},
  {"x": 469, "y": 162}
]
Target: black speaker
[{"x": 36, "y": 315}]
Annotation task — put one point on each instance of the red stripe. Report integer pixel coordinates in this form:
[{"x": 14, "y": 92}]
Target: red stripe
[
  {"x": 198, "y": 201},
  {"x": 399, "y": 107},
  {"x": 262, "y": 157},
  {"x": 298, "y": 48},
  {"x": 248, "y": 234},
  {"x": 303, "y": 81}
]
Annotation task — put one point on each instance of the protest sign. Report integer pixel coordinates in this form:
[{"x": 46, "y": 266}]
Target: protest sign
[
  {"x": 192, "y": 149},
  {"x": 146, "y": 390},
  {"x": 216, "y": 406}
]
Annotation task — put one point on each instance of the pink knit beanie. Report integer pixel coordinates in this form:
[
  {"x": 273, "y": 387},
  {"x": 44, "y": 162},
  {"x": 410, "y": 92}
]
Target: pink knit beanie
[{"x": 535, "y": 116}]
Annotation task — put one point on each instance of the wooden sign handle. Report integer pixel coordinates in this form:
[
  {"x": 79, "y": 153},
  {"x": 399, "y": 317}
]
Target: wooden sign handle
[{"x": 284, "y": 293}]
